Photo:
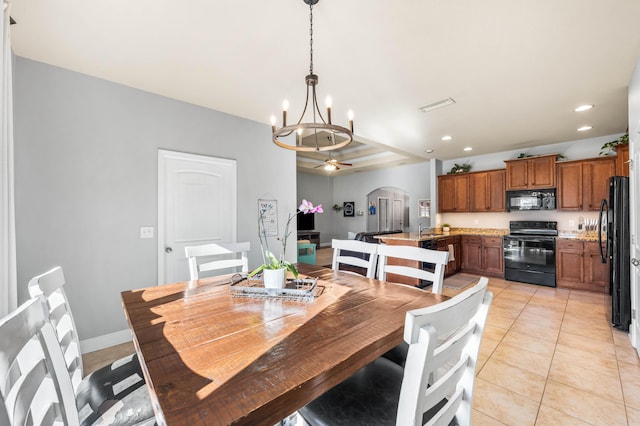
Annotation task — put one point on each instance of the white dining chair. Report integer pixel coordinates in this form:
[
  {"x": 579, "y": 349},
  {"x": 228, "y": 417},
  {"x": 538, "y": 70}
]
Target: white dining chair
[
  {"x": 217, "y": 257},
  {"x": 116, "y": 391},
  {"x": 436, "y": 385},
  {"x": 436, "y": 258},
  {"x": 355, "y": 253},
  {"x": 35, "y": 387}
]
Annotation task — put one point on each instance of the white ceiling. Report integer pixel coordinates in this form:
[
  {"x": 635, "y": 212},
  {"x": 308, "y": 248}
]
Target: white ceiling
[{"x": 515, "y": 68}]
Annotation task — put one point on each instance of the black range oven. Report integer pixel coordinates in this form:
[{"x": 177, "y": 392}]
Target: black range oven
[{"x": 530, "y": 252}]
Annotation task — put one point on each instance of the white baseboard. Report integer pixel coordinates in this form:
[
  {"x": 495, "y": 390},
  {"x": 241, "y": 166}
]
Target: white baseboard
[{"x": 104, "y": 341}]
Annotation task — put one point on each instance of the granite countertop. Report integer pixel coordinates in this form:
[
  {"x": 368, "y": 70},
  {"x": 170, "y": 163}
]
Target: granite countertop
[
  {"x": 437, "y": 234},
  {"x": 579, "y": 235}
]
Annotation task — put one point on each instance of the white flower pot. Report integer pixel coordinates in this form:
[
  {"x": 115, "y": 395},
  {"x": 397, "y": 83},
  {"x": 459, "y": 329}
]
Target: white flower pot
[
  {"x": 274, "y": 278},
  {"x": 446, "y": 229}
]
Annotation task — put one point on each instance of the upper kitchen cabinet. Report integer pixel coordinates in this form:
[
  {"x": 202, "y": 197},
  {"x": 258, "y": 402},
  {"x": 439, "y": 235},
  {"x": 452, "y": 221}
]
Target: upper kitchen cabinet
[
  {"x": 487, "y": 191},
  {"x": 622, "y": 160},
  {"x": 453, "y": 193},
  {"x": 531, "y": 172},
  {"x": 583, "y": 184}
]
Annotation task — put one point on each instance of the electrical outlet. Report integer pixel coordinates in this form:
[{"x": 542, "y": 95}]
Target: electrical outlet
[
  {"x": 572, "y": 223},
  {"x": 146, "y": 232}
]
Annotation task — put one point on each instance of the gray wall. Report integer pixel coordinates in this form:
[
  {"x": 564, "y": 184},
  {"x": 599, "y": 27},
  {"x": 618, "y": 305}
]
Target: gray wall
[
  {"x": 86, "y": 180},
  {"x": 414, "y": 179}
]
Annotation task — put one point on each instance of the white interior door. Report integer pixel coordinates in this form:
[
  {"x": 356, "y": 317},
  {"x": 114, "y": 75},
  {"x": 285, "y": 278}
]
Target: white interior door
[
  {"x": 634, "y": 218},
  {"x": 384, "y": 220},
  {"x": 196, "y": 205},
  {"x": 398, "y": 214}
]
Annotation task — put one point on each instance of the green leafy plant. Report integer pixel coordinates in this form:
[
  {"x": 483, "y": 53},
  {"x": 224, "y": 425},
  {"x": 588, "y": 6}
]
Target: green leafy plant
[
  {"x": 336, "y": 207},
  {"x": 446, "y": 225},
  {"x": 608, "y": 147},
  {"x": 459, "y": 168},
  {"x": 270, "y": 261}
]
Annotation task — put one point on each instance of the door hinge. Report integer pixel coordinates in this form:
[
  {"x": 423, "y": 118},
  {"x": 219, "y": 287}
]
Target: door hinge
[{"x": 633, "y": 314}]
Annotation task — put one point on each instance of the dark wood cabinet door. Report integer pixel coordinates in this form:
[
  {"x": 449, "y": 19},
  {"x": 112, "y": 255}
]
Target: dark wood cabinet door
[
  {"x": 493, "y": 259},
  {"x": 517, "y": 175},
  {"x": 570, "y": 186},
  {"x": 596, "y": 273},
  {"x": 462, "y": 193},
  {"x": 569, "y": 264},
  {"x": 542, "y": 172},
  {"x": 446, "y": 194},
  {"x": 471, "y": 254},
  {"x": 496, "y": 190},
  {"x": 622, "y": 160},
  {"x": 595, "y": 183},
  {"x": 478, "y": 186}
]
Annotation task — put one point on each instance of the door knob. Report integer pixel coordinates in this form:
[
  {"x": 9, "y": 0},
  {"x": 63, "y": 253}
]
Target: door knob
[
  {"x": 635, "y": 262},
  {"x": 168, "y": 249}
]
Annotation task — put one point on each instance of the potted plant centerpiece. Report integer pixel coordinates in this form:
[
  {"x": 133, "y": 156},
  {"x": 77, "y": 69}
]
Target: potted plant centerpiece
[
  {"x": 274, "y": 269},
  {"x": 446, "y": 227}
]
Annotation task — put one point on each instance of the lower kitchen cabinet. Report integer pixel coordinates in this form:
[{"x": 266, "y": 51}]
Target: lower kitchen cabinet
[
  {"x": 454, "y": 264},
  {"x": 579, "y": 266},
  {"x": 482, "y": 255}
]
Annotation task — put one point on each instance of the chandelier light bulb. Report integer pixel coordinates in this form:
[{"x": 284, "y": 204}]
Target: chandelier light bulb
[
  {"x": 273, "y": 123},
  {"x": 328, "y": 101},
  {"x": 285, "y": 105}
]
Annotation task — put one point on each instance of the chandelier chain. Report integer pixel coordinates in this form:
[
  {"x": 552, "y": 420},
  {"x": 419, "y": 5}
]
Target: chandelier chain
[{"x": 311, "y": 38}]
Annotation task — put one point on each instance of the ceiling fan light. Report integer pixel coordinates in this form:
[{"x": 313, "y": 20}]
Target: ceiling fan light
[{"x": 330, "y": 167}]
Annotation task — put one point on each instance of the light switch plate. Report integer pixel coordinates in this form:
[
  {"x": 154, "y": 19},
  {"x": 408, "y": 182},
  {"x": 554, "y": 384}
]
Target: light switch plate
[{"x": 146, "y": 232}]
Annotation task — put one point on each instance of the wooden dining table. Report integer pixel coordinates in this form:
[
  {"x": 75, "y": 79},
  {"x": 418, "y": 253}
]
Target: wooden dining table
[{"x": 210, "y": 358}]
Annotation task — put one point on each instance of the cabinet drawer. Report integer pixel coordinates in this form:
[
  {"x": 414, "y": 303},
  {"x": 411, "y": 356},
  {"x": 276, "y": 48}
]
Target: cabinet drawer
[
  {"x": 471, "y": 239},
  {"x": 492, "y": 241},
  {"x": 570, "y": 245}
]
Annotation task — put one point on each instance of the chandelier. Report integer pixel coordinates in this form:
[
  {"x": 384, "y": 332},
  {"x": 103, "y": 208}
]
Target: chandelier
[{"x": 320, "y": 134}]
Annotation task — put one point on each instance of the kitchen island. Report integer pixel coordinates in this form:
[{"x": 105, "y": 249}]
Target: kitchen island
[{"x": 482, "y": 254}]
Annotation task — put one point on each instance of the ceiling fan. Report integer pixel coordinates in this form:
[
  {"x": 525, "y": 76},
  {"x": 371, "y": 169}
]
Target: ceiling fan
[{"x": 331, "y": 164}]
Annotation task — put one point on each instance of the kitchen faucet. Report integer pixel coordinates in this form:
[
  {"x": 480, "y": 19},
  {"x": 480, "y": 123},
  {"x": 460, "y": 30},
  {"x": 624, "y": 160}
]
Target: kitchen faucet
[{"x": 421, "y": 229}]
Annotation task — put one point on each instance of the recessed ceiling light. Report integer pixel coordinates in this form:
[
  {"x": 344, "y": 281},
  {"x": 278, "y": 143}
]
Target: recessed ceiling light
[
  {"x": 446, "y": 138},
  {"x": 468, "y": 148},
  {"x": 436, "y": 105},
  {"x": 584, "y": 128},
  {"x": 429, "y": 151},
  {"x": 583, "y": 108}
]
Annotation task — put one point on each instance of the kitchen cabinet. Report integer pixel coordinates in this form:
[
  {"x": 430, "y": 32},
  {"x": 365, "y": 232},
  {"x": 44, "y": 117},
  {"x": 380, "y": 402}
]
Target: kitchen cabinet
[
  {"x": 453, "y": 266},
  {"x": 493, "y": 259},
  {"x": 622, "y": 160},
  {"x": 453, "y": 193},
  {"x": 583, "y": 184},
  {"x": 531, "y": 172},
  {"x": 487, "y": 191},
  {"x": 579, "y": 267},
  {"x": 482, "y": 255}
]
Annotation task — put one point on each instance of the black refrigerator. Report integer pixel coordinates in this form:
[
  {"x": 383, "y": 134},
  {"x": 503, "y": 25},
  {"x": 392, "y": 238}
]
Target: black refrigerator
[{"x": 615, "y": 247}]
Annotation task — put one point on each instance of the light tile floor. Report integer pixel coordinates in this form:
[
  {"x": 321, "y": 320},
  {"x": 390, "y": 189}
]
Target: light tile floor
[{"x": 548, "y": 357}]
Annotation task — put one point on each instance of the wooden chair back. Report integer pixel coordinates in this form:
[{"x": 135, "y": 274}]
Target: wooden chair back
[
  {"x": 444, "y": 342},
  {"x": 438, "y": 259},
  {"x": 216, "y": 257},
  {"x": 346, "y": 252},
  {"x": 50, "y": 285},
  {"x": 34, "y": 385}
]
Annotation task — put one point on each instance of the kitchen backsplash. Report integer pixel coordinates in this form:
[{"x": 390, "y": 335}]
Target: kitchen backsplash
[{"x": 567, "y": 221}]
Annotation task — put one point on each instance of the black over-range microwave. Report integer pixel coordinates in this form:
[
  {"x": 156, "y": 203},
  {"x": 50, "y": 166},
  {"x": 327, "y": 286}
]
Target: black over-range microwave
[{"x": 544, "y": 199}]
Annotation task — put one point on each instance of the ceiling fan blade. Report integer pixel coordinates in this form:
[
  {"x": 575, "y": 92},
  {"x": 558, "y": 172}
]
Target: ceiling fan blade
[
  {"x": 344, "y": 164},
  {"x": 318, "y": 166}
]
